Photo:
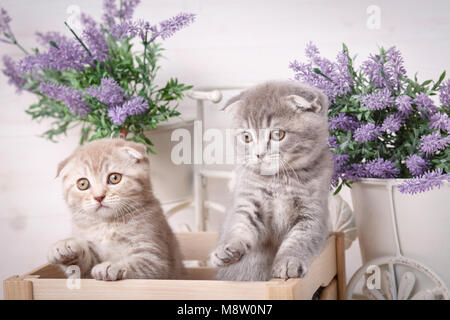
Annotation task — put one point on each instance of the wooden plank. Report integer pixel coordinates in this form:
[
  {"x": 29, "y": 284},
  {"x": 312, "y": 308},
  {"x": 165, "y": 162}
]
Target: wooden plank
[
  {"x": 42, "y": 284},
  {"x": 201, "y": 273},
  {"x": 279, "y": 289},
  {"x": 340, "y": 265},
  {"x": 56, "y": 289},
  {"x": 330, "y": 291},
  {"x": 15, "y": 288},
  {"x": 47, "y": 271},
  {"x": 197, "y": 245},
  {"x": 321, "y": 271}
]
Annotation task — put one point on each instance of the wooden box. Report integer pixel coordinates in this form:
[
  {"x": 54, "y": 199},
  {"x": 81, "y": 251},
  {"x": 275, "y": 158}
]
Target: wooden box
[{"x": 326, "y": 274}]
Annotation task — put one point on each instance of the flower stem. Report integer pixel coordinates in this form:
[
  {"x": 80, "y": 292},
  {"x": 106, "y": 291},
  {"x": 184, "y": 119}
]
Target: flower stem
[
  {"x": 120, "y": 12},
  {"x": 78, "y": 38},
  {"x": 145, "y": 46},
  {"x": 20, "y": 47}
]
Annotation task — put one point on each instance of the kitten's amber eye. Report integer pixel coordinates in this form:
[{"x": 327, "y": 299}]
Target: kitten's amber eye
[
  {"x": 246, "y": 137},
  {"x": 114, "y": 178},
  {"x": 277, "y": 135},
  {"x": 83, "y": 184}
]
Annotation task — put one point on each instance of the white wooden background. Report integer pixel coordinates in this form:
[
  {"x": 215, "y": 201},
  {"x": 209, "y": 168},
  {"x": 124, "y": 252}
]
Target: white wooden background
[{"x": 232, "y": 42}]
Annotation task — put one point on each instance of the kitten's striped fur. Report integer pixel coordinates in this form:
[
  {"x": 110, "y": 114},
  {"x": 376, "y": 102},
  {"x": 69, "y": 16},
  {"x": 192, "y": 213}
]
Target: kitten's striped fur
[
  {"x": 130, "y": 238},
  {"x": 278, "y": 222}
]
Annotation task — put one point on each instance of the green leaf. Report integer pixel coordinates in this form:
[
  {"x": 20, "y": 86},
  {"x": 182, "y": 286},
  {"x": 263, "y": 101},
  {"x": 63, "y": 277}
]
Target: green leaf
[
  {"x": 317, "y": 70},
  {"x": 438, "y": 83},
  {"x": 53, "y": 44},
  {"x": 338, "y": 189}
]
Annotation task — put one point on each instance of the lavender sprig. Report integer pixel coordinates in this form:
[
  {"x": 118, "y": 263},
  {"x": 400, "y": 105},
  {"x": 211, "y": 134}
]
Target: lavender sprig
[
  {"x": 11, "y": 70},
  {"x": 426, "y": 182},
  {"x": 96, "y": 77},
  {"x": 72, "y": 98},
  {"x": 382, "y": 124}
]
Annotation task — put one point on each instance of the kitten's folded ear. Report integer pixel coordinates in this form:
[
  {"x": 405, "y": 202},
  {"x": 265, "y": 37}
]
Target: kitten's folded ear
[
  {"x": 62, "y": 165},
  {"x": 134, "y": 151},
  {"x": 300, "y": 104}
]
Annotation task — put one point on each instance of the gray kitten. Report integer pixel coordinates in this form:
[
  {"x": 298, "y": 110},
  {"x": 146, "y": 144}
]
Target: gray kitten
[{"x": 278, "y": 220}]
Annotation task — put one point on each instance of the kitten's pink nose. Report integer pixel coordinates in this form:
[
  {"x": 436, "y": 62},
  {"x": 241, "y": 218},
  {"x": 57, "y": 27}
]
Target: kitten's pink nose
[{"x": 100, "y": 198}]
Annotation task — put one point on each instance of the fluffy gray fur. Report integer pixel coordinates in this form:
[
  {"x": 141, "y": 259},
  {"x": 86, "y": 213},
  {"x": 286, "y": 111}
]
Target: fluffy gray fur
[{"x": 278, "y": 221}]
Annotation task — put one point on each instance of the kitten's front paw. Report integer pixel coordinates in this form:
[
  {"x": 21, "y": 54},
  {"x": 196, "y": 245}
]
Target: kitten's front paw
[
  {"x": 108, "y": 271},
  {"x": 289, "y": 267},
  {"x": 66, "y": 252},
  {"x": 228, "y": 253}
]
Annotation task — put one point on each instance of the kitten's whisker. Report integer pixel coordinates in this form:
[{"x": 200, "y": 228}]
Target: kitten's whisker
[{"x": 293, "y": 170}]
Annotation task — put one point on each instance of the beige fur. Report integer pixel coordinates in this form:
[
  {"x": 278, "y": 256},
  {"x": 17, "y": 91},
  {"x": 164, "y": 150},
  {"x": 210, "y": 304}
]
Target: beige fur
[{"x": 126, "y": 235}]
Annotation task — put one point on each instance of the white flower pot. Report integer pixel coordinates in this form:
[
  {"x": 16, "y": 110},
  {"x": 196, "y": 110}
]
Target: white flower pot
[
  {"x": 170, "y": 182},
  {"x": 423, "y": 224}
]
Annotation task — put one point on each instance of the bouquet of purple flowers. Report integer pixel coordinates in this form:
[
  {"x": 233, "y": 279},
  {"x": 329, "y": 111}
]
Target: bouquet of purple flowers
[
  {"x": 93, "y": 78},
  {"x": 382, "y": 123}
]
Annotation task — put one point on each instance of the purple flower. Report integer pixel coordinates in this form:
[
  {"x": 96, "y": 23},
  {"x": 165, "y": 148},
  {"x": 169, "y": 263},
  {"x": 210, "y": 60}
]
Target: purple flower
[
  {"x": 425, "y": 105},
  {"x": 118, "y": 115},
  {"x": 426, "y": 182},
  {"x": 87, "y": 21},
  {"x": 367, "y": 132},
  {"x": 68, "y": 54},
  {"x": 343, "y": 122},
  {"x": 5, "y": 29},
  {"x": 108, "y": 93},
  {"x": 72, "y": 98},
  {"x": 135, "y": 106},
  {"x": 385, "y": 72},
  {"x": 373, "y": 68},
  {"x": 170, "y": 26},
  {"x": 378, "y": 100},
  {"x": 110, "y": 12},
  {"x": 404, "y": 105},
  {"x": 335, "y": 78},
  {"x": 343, "y": 78},
  {"x": 144, "y": 28},
  {"x": 45, "y": 38},
  {"x": 355, "y": 172},
  {"x": 95, "y": 39},
  {"x": 11, "y": 70},
  {"x": 444, "y": 94},
  {"x": 128, "y": 7},
  {"x": 394, "y": 67},
  {"x": 392, "y": 123},
  {"x": 125, "y": 12},
  {"x": 339, "y": 162},
  {"x": 130, "y": 29},
  {"x": 311, "y": 51},
  {"x": 440, "y": 121},
  {"x": 148, "y": 33},
  {"x": 126, "y": 29},
  {"x": 416, "y": 164},
  {"x": 380, "y": 168},
  {"x": 332, "y": 142},
  {"x": 432, "y": 143}
]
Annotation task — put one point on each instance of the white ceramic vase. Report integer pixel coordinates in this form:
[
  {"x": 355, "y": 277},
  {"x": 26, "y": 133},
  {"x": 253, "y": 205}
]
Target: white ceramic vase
[
  {"x": 170, "y": 182},
  {"x": 422, "y": 220}
]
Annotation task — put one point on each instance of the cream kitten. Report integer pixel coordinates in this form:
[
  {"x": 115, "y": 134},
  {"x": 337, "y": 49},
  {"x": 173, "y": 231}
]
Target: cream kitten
[{"x": 119, "y": 230}]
